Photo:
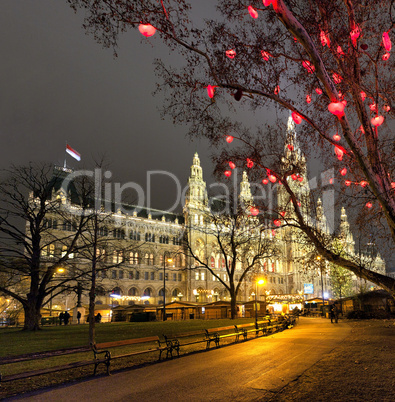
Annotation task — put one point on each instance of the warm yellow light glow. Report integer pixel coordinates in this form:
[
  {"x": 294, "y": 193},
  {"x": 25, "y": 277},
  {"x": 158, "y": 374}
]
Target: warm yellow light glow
[
  {"x": 318, "y": 257},
  {"x": 260, "y": 282},
  {"x": 60, "y": 270},
  {"x": 170, "y": 260}
]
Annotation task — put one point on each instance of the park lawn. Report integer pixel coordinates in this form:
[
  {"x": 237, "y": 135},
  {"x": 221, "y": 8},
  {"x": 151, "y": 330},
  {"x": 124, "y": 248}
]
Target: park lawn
[{"x": 14, "y": 341}]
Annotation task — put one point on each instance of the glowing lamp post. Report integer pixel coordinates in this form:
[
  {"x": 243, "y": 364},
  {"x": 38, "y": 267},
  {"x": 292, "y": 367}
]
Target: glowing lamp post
[
  {"x": 258, "y": 282},
  {"x": 169, "y": 259}
]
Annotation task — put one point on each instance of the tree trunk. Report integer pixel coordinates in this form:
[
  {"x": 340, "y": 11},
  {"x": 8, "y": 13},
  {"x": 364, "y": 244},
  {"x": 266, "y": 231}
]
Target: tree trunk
[
  {"x": 32, "y": 317},
  {"x": 233, "y": 307}
]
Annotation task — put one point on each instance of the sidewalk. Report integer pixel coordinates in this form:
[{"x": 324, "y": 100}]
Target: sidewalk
[{"x": 314, "y": 361}]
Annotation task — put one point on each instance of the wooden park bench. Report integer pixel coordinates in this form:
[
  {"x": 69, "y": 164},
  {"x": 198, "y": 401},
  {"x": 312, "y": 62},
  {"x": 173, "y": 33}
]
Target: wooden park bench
[
  {"x": 101, "y": 352},
  {"x": 43, "y": 355},
  {"x": 102, "y": 349},
  {"x": 216, "y": 334}
]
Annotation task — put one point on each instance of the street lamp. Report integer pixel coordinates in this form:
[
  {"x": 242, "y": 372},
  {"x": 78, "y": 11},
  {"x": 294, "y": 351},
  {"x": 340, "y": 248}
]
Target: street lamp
[
  {"x": 169, "y": 259},
  {"x": 322, "y": 285},
  {"x": 258, "y": 282}
]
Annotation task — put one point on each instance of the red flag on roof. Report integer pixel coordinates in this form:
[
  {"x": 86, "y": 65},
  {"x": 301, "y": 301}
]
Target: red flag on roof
[{"x": 73, "y": 152}]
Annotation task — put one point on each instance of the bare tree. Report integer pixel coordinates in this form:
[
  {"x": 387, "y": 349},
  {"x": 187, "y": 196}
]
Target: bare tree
[
  {"x": 302, "y": 56},
  {"x": 38, "y": 235},
  {"x": 241, "y": 241}
]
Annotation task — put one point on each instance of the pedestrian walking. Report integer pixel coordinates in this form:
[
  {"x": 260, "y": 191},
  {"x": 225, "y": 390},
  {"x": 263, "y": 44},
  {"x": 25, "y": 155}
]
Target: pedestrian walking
[
  {"x": 61, "y": 318},
  {"x": 333, "y": 313},
  {"x": 66, "y": 317},
  {"x": 78, "y": 316}
]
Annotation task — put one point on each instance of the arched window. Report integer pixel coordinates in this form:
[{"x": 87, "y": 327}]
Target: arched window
[
  {"x": 212, "y": 262},
  {"x": 175, "y": 292},
  {"x": 117, "y": 291},
  {"x": 132, "y": 292},
  {"x": 148, "y": 292}
]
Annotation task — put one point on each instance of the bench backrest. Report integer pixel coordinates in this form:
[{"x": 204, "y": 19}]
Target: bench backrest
[
  {"x": 106, "y": 345},
  {"x": 221, "y": 329}
]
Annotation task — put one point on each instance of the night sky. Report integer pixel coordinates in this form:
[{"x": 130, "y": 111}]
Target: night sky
[{"x": 58, "y": 85}]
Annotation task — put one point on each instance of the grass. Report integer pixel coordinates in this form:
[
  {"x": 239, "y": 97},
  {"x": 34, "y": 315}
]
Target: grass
[{"x": 16, "y": 342}]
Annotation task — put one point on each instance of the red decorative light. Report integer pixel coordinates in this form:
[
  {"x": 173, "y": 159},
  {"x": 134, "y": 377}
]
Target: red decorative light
[
  {"x": 369, "y": 205},
  {"x": 232, "y": 165},
  {"x": 277, "y": 90},
  {"x": 319, "y": 91},
  {"x": 290, "y": 147},
  {"x": 282, "y": 213},
  {"x": 337, "y": 78},
  {"x": 393, "y": 184},
  {"x": 210, "y": 91},
  {"x": 267, "y": 3},
  {"x": 253, "y": 12},
  {"x": 300, "y": 178},
  {"x": 273, "y": 232},
  {"x": 147, "y": 30},
  {"x": 308, "y": 98},
  {"x": 272, "y": 178},
  {"x": 363, "y": 183},
  {"x": 296, "y": 118},
  {"x": 386, "y": 56},
  {"x": 231, "y": 53},
  {"x": 343, "y": 172},
  {"x": 254, "y": 211},
  {"x": 294, "y": 177},
  {"x": 387, "y": 42},
  {"x": 228, "y": 173},
  {"x": 324, "y": 39},
  {"x": 340, "y": 51},
  {"x": 339, "y": 153},
  {"x": 337, "y": 137},
  {"x": 386, "y": 108},
  {"x": 362, "y": 129},
  {"x": 377, "y": 121},
  {"x": 347, "y": 183},
  {"x": 373, "y": 107},
  {"x": 308, "y": 66},
  {"x": 277, "y": 222},
  {"x": 336, "y": 108},
  {"x": 363, "y": 96},
  {"x": 299, "y": 204},
  {"x": 354, "y": 34},
  {"x": 265, "y": 181},
  {"x": 265, "y": 55},
  {"x": 229, "y": 139},
  {"x": 331, "y": 181},
  {"x": 250, "y": 163}
]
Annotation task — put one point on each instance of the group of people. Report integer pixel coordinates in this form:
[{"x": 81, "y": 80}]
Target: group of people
[{"x": 64, "y": 317}]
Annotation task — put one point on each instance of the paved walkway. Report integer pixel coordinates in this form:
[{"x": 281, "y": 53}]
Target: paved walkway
[{"x": 247, "y": 371}]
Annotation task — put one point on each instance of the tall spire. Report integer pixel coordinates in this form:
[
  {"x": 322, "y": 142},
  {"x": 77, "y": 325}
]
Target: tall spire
[
  {"x": 197, "y": 192},
  {"x": 245, "y": 190}
]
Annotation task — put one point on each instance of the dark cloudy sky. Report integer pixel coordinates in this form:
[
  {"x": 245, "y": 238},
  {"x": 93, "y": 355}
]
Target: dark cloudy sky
[{"x": 57, "y": 84}]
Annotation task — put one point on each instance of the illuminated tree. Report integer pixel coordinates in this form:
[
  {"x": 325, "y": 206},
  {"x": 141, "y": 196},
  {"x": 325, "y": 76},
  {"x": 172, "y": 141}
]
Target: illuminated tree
[
  {"x": 241, "y": 242},
  {"x": 328, "y": 62}
]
